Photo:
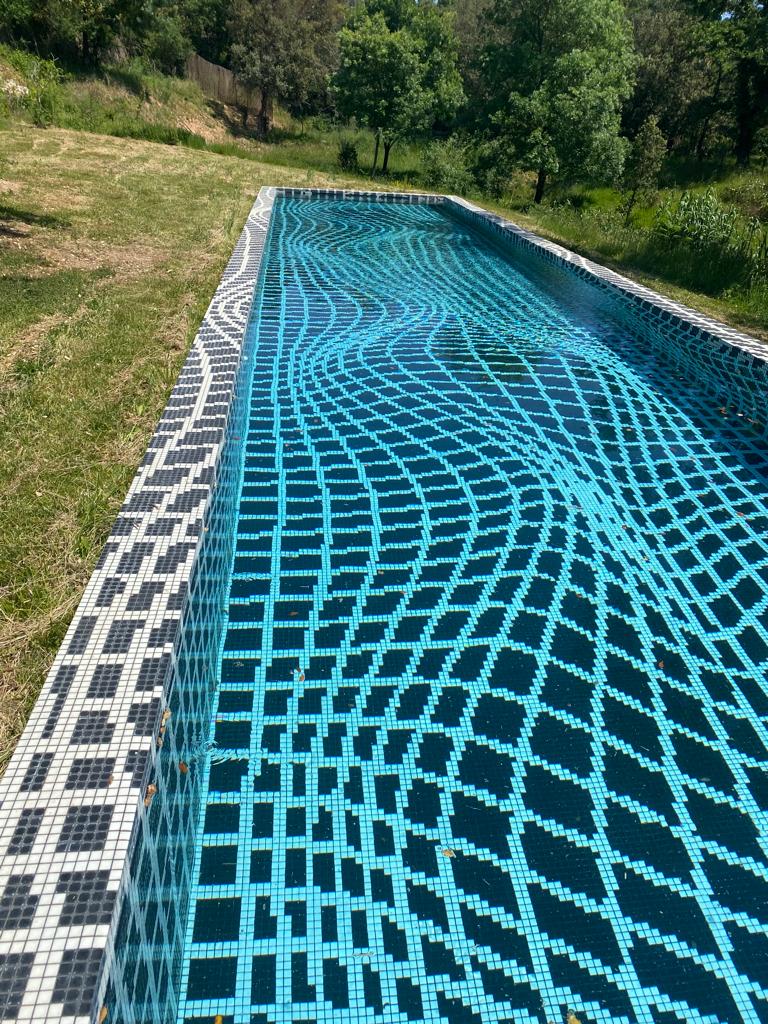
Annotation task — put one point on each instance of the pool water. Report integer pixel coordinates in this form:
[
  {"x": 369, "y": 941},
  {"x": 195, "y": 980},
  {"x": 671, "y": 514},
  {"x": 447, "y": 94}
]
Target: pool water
[{"x": 490, "y": 741}]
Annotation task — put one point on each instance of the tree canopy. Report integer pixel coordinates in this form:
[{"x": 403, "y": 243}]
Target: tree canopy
[
  {"x": 561, "y": 87},
  {"x": 555, "y": 77},
  {"x": 398, "y": 70},
  {"x": 284, "y": 48}
]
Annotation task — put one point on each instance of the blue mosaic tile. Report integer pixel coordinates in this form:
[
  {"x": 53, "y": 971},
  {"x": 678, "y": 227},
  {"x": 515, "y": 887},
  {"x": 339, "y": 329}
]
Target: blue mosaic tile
[{"x": 478, "y": 743}]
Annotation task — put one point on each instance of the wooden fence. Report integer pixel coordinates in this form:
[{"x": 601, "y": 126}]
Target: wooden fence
[{"x": 220, "y": 84}]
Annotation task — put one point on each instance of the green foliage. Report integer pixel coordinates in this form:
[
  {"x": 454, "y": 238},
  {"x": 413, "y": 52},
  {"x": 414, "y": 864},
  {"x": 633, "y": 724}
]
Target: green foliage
[
  {"x": 444, "y": 167},
  {"x": 701, "y": 230},
  {"x": 284, "y": 48},
  {"x": 167, "y": 44},
  {"x": 205, "y": 24},
  {"x": 750, "y": 194},
  {"x": 348, "y": 159},
  {"x": 643, "y": 165},
  {"x": 37, "y": 90},
  {"x": 556, "y": 76},
  {"x": 398, "y": 71},
  {"x": 680, "y": 73},
  {"x": 379, "y": 81}
]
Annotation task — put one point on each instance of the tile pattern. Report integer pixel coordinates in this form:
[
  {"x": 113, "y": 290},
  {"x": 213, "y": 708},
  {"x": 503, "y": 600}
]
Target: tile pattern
[
  {"x": 73, "y": 796},
  {"x": 704, "y": 351},
  {"x": 93, "y": 883},
  {"x": 475, "y": 758}
]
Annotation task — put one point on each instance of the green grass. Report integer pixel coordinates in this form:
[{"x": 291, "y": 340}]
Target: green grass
[{"x": 110, "y": 250}]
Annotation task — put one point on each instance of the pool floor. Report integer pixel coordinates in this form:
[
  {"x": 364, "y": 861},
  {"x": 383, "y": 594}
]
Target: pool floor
[{"x": 490, "y": 742}]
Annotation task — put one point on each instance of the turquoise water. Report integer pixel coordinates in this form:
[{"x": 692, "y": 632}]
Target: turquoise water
[{"x": 490, "y": 741}]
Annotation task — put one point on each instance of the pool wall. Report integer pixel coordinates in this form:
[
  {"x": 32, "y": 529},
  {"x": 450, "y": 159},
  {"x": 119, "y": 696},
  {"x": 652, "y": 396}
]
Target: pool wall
[
  {"x": 89, "y": 792},
  {"x": 95, "y": 841}
]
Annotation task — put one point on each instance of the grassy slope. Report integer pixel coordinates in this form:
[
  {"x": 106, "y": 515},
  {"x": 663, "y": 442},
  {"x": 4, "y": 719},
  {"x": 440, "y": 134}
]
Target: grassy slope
[{"x": 110, "y": 250}]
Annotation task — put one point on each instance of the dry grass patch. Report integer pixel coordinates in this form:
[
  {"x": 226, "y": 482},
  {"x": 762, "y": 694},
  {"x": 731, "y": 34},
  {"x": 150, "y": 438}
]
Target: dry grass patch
[{"x": 118, "y": 248}]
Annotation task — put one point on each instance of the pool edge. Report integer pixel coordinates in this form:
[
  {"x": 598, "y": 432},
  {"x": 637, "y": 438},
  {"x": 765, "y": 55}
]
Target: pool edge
[{"x": 50, "y": 829}]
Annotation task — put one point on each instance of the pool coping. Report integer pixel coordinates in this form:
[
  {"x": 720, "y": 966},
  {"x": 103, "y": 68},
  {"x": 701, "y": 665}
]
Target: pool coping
[{"x": 74, "y": 790}]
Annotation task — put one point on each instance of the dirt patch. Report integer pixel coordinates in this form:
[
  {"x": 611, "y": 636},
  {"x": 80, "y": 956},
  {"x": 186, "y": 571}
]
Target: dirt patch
[
  {"x": 208, "y": 127},
  {"x": 125, "y": 261},
  {"x": 28, "y": 344}
]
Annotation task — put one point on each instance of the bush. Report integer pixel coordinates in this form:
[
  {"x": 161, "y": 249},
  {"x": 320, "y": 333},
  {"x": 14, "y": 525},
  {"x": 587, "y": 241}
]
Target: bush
[
  {"x": 167, "y": 45},
  {"x": 347, "y": 157},
  {"x": 750, "y": 194},
  {"x": 38, "y": 93},
  {"x": 493, "y": 167},
  {"x": 444, "y": 167},
  {"x": 718, "y": 245}
]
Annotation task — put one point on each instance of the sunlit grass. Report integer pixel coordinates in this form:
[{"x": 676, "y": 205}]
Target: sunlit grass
[{"x": 110, "y": 250}]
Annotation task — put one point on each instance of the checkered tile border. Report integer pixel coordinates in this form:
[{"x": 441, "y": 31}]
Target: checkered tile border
[{"x": 77, "y": 784}]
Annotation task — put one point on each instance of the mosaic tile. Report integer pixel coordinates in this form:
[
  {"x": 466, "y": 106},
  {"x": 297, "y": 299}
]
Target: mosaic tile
[{"x": 461, "y": 748}]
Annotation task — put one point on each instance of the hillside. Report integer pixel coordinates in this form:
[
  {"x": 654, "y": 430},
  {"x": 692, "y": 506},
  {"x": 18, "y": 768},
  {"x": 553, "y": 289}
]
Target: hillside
[{"x": 110, "y": 250}]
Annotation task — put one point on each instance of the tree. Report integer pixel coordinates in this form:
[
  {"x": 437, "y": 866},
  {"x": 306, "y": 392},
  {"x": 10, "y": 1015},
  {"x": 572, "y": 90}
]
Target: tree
[
  {"x": 471, "y": 24},
  {"x": 746, "y": 28},
  {"x": 556, "y": 76},
  {"x": 739, "y": 29},
  {"x": 283, "y": 48},
  {"x": 205, "y": 23},
  {"x": 680, "y": 73},
  {"x": 379, "y": 82},
  {"x": 100, "y": 22},
  {"x": 642, "y": 167},
  {"x": 398, "y": 72},
  {"x": 79, "y": 29}
]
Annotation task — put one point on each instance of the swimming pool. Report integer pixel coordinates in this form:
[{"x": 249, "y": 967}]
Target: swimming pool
[{"x": 472, "y": 711}]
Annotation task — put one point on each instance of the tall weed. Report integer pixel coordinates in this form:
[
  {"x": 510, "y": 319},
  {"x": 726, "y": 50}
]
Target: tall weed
[{"x": 719, "y": 246}]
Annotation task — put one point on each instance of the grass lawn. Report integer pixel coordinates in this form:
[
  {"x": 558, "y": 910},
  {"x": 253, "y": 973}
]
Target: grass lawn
[{"x": 110, "y": 250}]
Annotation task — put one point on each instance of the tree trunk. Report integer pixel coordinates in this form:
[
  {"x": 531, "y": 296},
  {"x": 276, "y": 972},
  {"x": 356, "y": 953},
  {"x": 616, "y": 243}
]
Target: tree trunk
[
  {"x": 745, "y": 115},
  {"x": 541, "y": 181},
  {"x": 385, "y": 164},
  {"x": 375, "y": 153},
  {"x": 631, "y": 200},
  {"x": 264, "y": 117},
  {"x": 87, "y": 48},
  {"x": 702, "y": 139}
]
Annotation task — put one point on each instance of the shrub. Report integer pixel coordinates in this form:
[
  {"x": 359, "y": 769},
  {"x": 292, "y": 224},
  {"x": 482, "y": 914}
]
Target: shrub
[
  {"x": 750, "y": 194},
  {"x": 493, "y": 167},
  {"x": 167, "y": 45},
  {"x": 38, "y": 93},
  {"x": 642, "y": 167},
  {"x": 719, "y": 245},
  {"x": 444, "y": 167},
  {"x": 347, "y": 157}
]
